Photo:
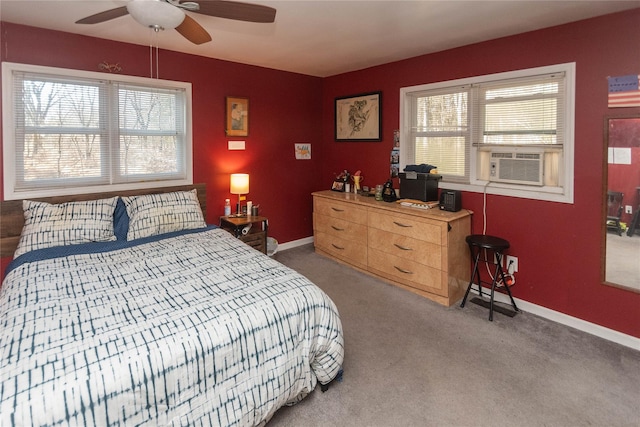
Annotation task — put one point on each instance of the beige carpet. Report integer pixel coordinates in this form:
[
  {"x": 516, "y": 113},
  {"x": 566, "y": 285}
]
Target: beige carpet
[{"x": 412, "y": 362}]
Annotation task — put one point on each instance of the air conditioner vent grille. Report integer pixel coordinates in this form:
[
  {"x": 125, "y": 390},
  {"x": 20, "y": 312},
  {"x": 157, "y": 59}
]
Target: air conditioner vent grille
[{"x": 516, "y": 168}]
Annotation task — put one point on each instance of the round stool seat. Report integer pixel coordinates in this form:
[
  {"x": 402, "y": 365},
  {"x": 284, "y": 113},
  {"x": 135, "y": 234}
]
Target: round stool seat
[{"x": 487, "y": 242}]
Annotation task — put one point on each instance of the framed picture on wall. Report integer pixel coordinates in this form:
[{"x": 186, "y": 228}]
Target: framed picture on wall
[
  {"x": 237, "y": 123},
  {"x": 359, "y": 117}
]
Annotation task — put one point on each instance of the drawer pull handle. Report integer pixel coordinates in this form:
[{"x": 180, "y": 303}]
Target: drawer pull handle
[
  {"x": 399, "y": 224},
  {"x": 337, "y": 247},
  {"x": 402, "y": 248},
  {"x": 337, "y": 210},
  {"x": 402, "y": 270},
  {"x": 337, "y": 228}
]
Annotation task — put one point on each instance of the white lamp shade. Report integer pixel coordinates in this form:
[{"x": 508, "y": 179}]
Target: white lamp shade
[
  {"x": 239, "y": 183},
  {"x": 155, "y": 13}
]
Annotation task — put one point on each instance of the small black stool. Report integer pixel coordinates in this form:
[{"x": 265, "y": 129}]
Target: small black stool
[{"x": 477, "y": 243}]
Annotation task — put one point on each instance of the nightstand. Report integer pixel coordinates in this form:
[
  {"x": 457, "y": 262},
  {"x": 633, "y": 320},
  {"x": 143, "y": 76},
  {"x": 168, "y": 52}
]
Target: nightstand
[{"x": 255, "y": 226}]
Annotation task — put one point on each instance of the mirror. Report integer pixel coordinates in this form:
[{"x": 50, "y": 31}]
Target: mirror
[{"x": 621, "y": 217}]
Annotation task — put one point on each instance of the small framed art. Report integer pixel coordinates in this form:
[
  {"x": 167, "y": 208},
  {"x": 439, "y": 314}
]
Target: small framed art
[
  {"x": 359, "y": 117},
  {"x": 303, "y": 151},
  {"x": 237, "y": 123}
]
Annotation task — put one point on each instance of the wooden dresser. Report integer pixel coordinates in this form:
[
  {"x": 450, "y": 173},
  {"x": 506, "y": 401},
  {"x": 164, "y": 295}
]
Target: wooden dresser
[{"x": 423, "y": 251}]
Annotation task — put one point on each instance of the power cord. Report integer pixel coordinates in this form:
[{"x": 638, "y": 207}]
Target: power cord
[
  {"x": 509, "y": 278},
  {"x": 484, "y": 208}
]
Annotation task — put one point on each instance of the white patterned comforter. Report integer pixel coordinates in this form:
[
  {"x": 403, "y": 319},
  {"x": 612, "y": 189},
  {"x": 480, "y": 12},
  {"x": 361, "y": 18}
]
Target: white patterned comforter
[{"x": 197, "y": 329}]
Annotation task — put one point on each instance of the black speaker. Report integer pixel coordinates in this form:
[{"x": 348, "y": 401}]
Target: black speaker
[{"x": 450, "y": 200}]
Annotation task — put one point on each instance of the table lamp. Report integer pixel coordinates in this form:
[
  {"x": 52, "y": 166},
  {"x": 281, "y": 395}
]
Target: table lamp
[{"x": 239, "y": 185}]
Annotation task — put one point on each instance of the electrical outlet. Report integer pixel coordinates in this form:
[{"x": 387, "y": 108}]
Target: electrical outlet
[
  {"x": 628, "y": 209},
  {"x": 512, "y": 264},
  {"x": 495, "y": 260}
]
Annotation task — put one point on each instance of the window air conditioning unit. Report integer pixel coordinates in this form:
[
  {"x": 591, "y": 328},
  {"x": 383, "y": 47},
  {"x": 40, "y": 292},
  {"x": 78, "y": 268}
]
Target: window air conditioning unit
[{"x": 515, "y": 167}]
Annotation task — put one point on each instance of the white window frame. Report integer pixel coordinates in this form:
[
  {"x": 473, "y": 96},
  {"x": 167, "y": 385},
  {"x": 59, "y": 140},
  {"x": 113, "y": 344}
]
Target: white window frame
[
  {"x": 562, "y": 194},
  {"x": 9, "y": 131}
]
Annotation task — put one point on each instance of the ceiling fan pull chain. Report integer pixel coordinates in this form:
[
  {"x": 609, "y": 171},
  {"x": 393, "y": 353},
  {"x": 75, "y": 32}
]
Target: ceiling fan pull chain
[
  {"x": 150, "y": 60},
  {"x": 153, "y": 43},
  {"x": 150, "y": 54}
]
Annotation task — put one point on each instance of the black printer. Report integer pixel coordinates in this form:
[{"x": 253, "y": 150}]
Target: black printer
[{"x": 419, "y": 186}]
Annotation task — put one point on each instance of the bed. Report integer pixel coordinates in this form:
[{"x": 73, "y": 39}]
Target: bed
[{"x": 175, "y": 326}]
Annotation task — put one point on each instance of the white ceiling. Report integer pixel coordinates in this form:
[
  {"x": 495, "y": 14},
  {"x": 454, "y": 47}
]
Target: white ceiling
[{"x": 321, "y": 37}]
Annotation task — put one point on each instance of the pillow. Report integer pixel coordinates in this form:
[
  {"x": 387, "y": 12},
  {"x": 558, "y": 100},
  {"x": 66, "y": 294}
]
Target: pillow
[
  {"x": 120, "y": 220},
  {"x": 154, "y": 214},
  {"x": 47, "y": 225}
]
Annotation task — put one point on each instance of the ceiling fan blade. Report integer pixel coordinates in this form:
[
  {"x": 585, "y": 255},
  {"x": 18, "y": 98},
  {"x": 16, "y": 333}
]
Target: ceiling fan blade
[
  {"x": 193, "y": 31},
  {"x": 104, "y": 16},
  {"x": 236, "y": 10}
]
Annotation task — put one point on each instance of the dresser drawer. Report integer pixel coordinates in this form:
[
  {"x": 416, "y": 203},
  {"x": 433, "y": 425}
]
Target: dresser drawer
[
  {"x": 405, "y": 247},
  {"x": 341, "y": 210},
  {"x": 407, "y": 272},
  {"x": 407, "y": 225},
  {"x": 340, "y": 228},
  {"x": 350, "y": 251}
]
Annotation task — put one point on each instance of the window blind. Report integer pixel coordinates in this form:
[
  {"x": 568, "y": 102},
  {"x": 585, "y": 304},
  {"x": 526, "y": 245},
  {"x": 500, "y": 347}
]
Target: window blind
[
  {"x": 58, "y": 130},
  {"x": 151, "y": 129},
  {"x": 71, "y": 131},
  {"x": 441, "y": 130},
  {"x": 526, "y": 111}
]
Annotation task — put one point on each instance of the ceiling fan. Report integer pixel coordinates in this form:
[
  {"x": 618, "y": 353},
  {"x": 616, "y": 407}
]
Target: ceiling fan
[{"x": 162, "y": 14}]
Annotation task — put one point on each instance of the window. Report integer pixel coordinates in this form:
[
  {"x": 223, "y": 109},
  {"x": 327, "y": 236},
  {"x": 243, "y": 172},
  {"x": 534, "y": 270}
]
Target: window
[
  {"x": 68, "y": 131},
  {"x": 508, "y": 133}
]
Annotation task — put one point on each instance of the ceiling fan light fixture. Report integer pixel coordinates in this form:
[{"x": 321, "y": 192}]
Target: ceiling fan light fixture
[{"x": 155, "y": 13}]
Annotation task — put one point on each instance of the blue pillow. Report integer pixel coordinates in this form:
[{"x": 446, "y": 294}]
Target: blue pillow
[{"x": 120, "y": 220}]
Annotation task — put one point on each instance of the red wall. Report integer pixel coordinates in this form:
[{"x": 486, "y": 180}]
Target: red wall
[
  {"x": 284, "y": 108},
  {"x": 558, "y": 245}
]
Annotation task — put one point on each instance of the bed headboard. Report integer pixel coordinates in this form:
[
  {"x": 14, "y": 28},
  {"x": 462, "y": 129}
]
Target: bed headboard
[{"x": 12, "y": 217}]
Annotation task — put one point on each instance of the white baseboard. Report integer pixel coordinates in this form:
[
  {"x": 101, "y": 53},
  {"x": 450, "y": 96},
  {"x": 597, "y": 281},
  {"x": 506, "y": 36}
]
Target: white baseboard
[
  {"x": 556, "y": 316},
  {"x": 573, "y": 322},
  {"x": 295, "y": 243}
]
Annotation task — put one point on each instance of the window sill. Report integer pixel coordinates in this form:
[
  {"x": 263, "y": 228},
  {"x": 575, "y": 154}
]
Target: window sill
[
  {"x": 549, "y": 194},
  {"x": 9, "y": 194}
]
